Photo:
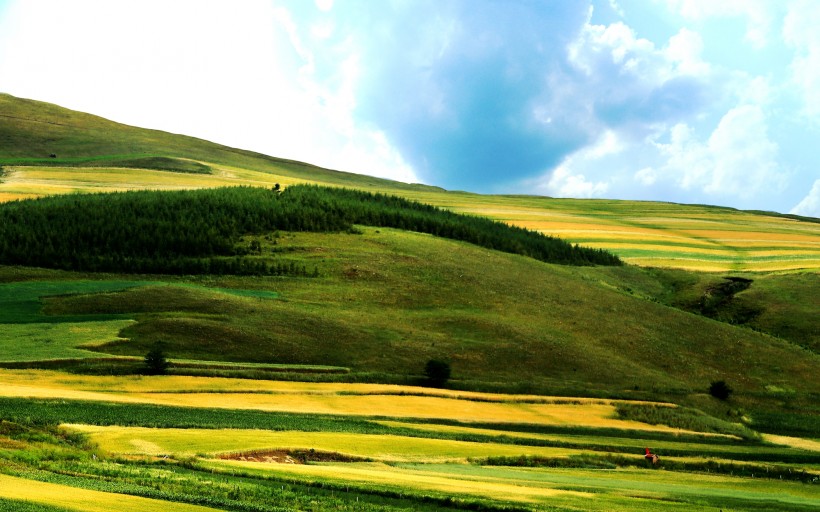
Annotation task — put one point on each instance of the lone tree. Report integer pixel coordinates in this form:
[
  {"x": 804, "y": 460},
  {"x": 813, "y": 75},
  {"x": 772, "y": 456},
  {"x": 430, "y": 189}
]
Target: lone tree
[
  {"x": 720, "y": 390},
  {"x": 437, "y": 372},
  {"x": 155, "y": 361}
]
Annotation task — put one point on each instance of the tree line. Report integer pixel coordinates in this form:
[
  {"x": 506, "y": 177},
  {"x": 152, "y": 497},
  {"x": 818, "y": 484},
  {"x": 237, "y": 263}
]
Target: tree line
[{"x": 198, "y": 231}]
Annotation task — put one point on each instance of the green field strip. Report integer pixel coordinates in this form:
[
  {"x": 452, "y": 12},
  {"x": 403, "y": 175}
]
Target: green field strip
[
  {"x": 20, "y": 302},
  {"x": 296, "y": 368},
  {"x": 633, "y": 445},
  {"x": 618, "y": 490},
  {"x": 85, "y": 500},
  {"x": 73, "y": 160},
  {"x": 53, "y": 341},
  {"x": 671, "y": 484}
]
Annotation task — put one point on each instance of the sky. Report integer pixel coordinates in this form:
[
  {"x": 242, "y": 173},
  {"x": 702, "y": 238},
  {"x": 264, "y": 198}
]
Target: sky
[{"x": 689, "y": 101}]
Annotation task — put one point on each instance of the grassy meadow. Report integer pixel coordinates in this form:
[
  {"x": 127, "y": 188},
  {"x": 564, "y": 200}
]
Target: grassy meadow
[
  {"x": 97, "y": 155},
  {"x": 308, "y": 392},
  {"x": 691, "y": 237}
]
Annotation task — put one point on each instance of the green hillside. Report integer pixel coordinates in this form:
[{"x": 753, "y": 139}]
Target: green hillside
[
  {"x": 92, "y": 154},
  {"x": 296, "y": 324},
  {"x": 32, "y": 131},
  {"x": 653, "y": 323}
]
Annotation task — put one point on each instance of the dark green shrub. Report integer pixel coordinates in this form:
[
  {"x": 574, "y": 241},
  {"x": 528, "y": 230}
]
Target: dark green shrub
[
  {"x": 720, "y": 390},
  {"x": 437, "y": 372},
  {"x": 155, "y": 361}
]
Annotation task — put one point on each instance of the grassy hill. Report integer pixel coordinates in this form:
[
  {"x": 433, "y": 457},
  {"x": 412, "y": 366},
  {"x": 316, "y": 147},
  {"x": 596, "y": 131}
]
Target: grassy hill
[
  {"x": 653, "y": 323},
  {"x": 93, "y": 154},
  {"x": 320, "y": 374}
]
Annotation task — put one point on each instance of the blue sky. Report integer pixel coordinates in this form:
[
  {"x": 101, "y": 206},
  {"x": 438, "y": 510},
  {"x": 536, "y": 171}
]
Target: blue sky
[{"x": 691, "y": 101}]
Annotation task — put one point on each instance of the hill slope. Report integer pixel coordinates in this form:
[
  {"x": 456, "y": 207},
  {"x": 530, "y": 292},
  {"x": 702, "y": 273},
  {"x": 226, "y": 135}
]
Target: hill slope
[{"x": 94, "y": 154}]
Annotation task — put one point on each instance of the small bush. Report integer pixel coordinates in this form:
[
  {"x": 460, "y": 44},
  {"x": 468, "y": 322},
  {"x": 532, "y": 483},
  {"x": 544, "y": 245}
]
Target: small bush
[
  {"x": 720, "y": 390},
  {"x": 437, "y": 372},
  {"x": 155, "y": 361}
]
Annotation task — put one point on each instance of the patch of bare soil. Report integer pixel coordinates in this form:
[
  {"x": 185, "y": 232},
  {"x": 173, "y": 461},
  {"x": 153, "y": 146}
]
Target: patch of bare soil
[{"x": 291, "y": 456}]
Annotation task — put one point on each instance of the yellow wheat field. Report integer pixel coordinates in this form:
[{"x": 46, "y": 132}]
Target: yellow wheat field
[
  {"x": 382, "y": 475},
  {"x": 386, "y": 448},
  {"x": 641, "y": 233},
  {"x": 342, "y": 399},
  {"x": 83, "y": 500}
]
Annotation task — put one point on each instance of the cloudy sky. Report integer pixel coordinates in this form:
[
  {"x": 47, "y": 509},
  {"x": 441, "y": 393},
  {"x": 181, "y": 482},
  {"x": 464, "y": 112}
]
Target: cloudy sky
[{"x": 693, "y": 101}]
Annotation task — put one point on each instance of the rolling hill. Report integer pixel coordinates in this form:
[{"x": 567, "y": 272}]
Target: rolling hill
[
  {"x": 93, "y": 154},
  {"x": 595, "y": 360}
]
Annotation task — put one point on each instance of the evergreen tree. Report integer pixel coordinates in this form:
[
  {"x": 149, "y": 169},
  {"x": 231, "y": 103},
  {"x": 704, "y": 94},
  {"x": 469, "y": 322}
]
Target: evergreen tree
[{"x": 155, "y": 361}]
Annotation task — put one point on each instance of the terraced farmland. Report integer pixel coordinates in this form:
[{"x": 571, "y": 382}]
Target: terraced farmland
[
  {"x": 573, "y": 457},
  {"x": 296, "y": 391},
  {"x": 692, "y": 237}
]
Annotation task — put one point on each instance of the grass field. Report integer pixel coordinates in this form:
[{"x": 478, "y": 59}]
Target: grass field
[
  {"x": 83, "y": 500},
  {"x": 416, "y": 465},
  {"x": 561, "y": 376},
  {"x": 295, "y": 397},
  {"x": 648, "y": 234}
]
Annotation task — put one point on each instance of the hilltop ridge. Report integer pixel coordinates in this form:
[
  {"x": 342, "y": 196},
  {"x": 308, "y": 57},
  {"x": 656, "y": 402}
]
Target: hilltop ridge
[{"x": 92, "y": 154}]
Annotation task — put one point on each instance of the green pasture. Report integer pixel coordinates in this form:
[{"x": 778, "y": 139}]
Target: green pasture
[
  {"x": 31, "y": 334},
  {"x": 20, "y": 302},
  {"x": 384, "y": 303},
  {"x": 387, "y": 301},
  {"x": 93, "y": 154},
  {"x": 38, "y": 342}
]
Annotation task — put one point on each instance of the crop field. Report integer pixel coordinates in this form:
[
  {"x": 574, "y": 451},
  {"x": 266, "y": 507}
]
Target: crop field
[
  {"x": 457, "y": 468},
  {"x": 693, "y": 237},
  {"x": 27, "y": 182},
  {"x": 344, "y": 399},
  {"x": 381, "y": 442},
  {"x": 298, "y": 329},
  {"x": 554, "y": 489},
  {"x": 84, "y": 500},
  {"x": 421, "y": 444}
]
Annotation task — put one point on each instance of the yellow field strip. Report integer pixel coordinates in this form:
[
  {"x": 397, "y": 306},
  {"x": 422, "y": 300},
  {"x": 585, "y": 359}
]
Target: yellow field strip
[
  {"x": 456, "y": 429},
  {"x": 794, "y": 442},
  {"x": 385, "y": 448},
  {"x": 189, "y": 384},
  {"x": 84, "y": 500},
  {"x": 310, "y": 398},
  {"x": 579, "y": 221},
  {"x": 383, "y": 475}
]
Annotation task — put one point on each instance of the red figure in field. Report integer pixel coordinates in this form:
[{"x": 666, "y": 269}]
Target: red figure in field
[{"x": 651, "y": 457}]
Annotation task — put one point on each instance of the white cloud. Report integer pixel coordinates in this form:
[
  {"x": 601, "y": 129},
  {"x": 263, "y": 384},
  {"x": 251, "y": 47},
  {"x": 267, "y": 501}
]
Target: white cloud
[
  {"x": 324, "y": 5},
  {"x": 563, "y": 183},
  {"x": 800, "y": 33},
  {"x": 236, "y": 74},
  {"x": 600, "y": 46},
  {"x": 646, "y": 176},
  {"x": 629, "y": 80},
  {"x": 810, "y": 205},
  {"x": 758, "y": 14},
  {"x": 569, "y": 180},
  {"x": 684, "y": 51},
  {"x": 738, "y": 159},
  {"x": 616, "y": 8}
]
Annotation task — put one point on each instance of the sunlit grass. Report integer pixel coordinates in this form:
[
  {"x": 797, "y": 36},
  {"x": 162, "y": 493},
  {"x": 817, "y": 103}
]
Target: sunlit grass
[
  {"x": 387, "y": 448},
  {"x": 594, "y": 223},
  {"x": 342, "y": 399},
  {"x": 84, "y": 500},
  {"x": 34, "y": 342}
]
